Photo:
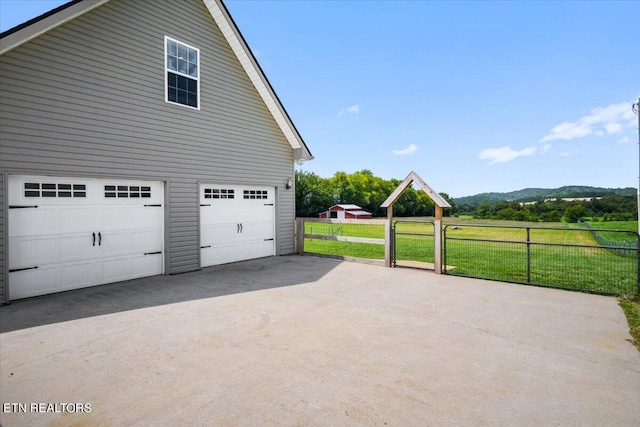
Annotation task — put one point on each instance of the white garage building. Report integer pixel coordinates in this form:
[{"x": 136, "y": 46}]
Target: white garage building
[{"x": 133, "y": 143}]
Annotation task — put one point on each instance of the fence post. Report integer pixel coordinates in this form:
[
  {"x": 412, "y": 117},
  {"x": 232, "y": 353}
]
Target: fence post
[
  {"x": 388, "y": 242},
  {"x": 394, "y": 249},
  {"x": 528, "y": 255},
  {"x": 300, "y": 235},
  {"x": 638, "y": 259},
  {"x": 437, "y": 250}
]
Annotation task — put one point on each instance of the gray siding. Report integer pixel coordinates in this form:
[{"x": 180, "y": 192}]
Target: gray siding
[
  {"x": 3, "y": 230},
  {"x": 87, "y": 99}
]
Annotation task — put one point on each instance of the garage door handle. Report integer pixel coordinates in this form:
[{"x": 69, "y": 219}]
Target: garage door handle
[
  {"x": 99, "y": 239},
  {"x": 153, "y": 253},
  {"x": 22, "y": 207},
  {"x": 94, "y": 239},
  {"x": 241, "y": 228}
]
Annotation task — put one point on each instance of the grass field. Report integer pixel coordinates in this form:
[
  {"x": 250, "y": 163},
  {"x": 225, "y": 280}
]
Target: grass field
[
  {"x": 623, "y": 238},
  {"x": 550, "y": 258},
  {"x": 631, "y": 308},
  {"x": 616, "y": 225}
]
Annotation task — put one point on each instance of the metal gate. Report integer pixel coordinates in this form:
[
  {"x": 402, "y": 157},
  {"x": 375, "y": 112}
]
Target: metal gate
[{"x": 413, "y": 244}]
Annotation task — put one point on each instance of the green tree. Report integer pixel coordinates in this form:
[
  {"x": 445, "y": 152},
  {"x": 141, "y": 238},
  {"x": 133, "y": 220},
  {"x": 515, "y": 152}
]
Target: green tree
[
  {"x": 313, "y": 194},
  {"x": 453, "y": 210},
  {"x": 575, "y": 212}
]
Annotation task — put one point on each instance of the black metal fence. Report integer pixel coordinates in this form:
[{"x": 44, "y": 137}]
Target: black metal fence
[
  {"x": 568, "y": 258},
  {"x": 606, "y": 240},
  {"x": 413, "y": 244}
]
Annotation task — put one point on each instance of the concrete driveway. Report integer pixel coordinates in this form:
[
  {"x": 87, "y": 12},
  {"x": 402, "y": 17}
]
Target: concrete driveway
[{"x": 299, "y": 341}]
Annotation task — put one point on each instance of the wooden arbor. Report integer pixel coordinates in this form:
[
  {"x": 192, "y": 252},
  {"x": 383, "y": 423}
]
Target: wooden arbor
[{"x": 440, "y": 203}]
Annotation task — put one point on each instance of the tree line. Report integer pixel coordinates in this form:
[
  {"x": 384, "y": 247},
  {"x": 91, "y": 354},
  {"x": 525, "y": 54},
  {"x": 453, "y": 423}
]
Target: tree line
[
  {"x": 606, "y": 208},
  {"x": 315, "y": 194}
]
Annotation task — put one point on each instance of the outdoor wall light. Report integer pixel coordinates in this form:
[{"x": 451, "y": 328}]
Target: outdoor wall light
[{"x": 289, "y": 184}]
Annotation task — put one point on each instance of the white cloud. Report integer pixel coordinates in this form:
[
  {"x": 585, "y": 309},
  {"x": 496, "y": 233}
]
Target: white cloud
[
  {"x": 353, "y": 109},
  {"x": 600, "y": 121},
  {"x": 624, "y": 140},
  {"x": 611, "y": 128},
  {"x": 410, "y": 149},
  {"x": 504, "y": 154},
  {"x": 545, "y": 148},
  {"x": 569, "y": 153}
]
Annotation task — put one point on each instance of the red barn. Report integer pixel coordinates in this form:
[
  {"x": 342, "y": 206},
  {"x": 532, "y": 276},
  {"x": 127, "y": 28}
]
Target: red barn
[{"x": 346, "y": 212}]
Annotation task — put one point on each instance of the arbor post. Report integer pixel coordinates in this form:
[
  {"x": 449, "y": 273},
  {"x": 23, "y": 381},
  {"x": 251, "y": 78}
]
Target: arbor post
[{"x": 437, "y": 238}]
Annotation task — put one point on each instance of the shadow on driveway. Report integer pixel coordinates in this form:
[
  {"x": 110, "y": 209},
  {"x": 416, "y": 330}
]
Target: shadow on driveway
[{"x": 246, "y": 276}]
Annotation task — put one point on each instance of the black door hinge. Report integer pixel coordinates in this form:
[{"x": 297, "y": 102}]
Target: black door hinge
[{"x": 23, "y": 269}]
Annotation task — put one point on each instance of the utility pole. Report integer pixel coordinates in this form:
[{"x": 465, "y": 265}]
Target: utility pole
[{"x": 636, "y": 109}]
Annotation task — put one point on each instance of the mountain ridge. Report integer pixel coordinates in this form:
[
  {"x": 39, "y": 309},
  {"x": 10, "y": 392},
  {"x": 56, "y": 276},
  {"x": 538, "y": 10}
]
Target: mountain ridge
[{"x": 534, "y": 194}]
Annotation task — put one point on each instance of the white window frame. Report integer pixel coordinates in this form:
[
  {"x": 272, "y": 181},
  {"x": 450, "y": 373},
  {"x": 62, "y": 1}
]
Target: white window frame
[{"x": 167, "y": 71}]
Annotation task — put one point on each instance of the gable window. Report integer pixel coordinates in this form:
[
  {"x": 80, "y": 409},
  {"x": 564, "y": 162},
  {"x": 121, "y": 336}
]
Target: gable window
[{"x": 182, "y": 64}]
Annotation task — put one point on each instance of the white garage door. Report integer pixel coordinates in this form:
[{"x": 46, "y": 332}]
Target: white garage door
[
  {"x": 236, "y": 223},
  {"x": 69, "y": 233}
]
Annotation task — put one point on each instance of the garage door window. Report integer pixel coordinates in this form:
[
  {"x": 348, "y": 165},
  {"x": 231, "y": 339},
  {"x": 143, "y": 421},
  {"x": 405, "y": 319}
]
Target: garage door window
[
  {"x": 45, "y": 189},
  {"x": 219, "y": 193},
  {"x": 255, "y": 194},
  {"x": 127, "y": 191}
]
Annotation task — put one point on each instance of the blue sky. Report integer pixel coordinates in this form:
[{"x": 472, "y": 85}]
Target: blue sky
[{"x": 473, "y": 96}]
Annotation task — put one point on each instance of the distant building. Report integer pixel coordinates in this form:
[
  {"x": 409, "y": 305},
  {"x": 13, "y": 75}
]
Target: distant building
[
  {"x": 563, "y": 199},
  {"x": 573, "y": 199},
  {"x": 346, "y": 212}
]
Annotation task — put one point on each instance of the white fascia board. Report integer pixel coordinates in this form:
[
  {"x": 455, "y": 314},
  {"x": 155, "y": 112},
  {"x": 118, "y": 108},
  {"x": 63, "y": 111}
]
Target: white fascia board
[
  {"x": 252, "y": 69},
  {"x": 42, "y": 26}
]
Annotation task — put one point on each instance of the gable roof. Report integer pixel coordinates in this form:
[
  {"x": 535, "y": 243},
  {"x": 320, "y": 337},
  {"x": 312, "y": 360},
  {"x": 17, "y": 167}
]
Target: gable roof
[
  {"x": 35, "y": 27},
  {"x": 411, "y": 178},
  {"x": 358, "y": 213},
  {"x": 347, "y": 207}
]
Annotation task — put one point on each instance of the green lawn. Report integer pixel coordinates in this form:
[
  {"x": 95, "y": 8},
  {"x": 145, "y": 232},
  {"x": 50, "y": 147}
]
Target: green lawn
[
  {"x": 618, "y": 237},
  {"x": 351, "y": 249},
  {"x": 616, "y": 225},
  {"x": 552, "y": 259},
  {"x": 631, "y": 308}
]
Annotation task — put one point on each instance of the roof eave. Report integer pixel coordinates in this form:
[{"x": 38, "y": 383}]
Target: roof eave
[
  {"x": 234, "y": 37},
  {"x": 31, "y": 29}
]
